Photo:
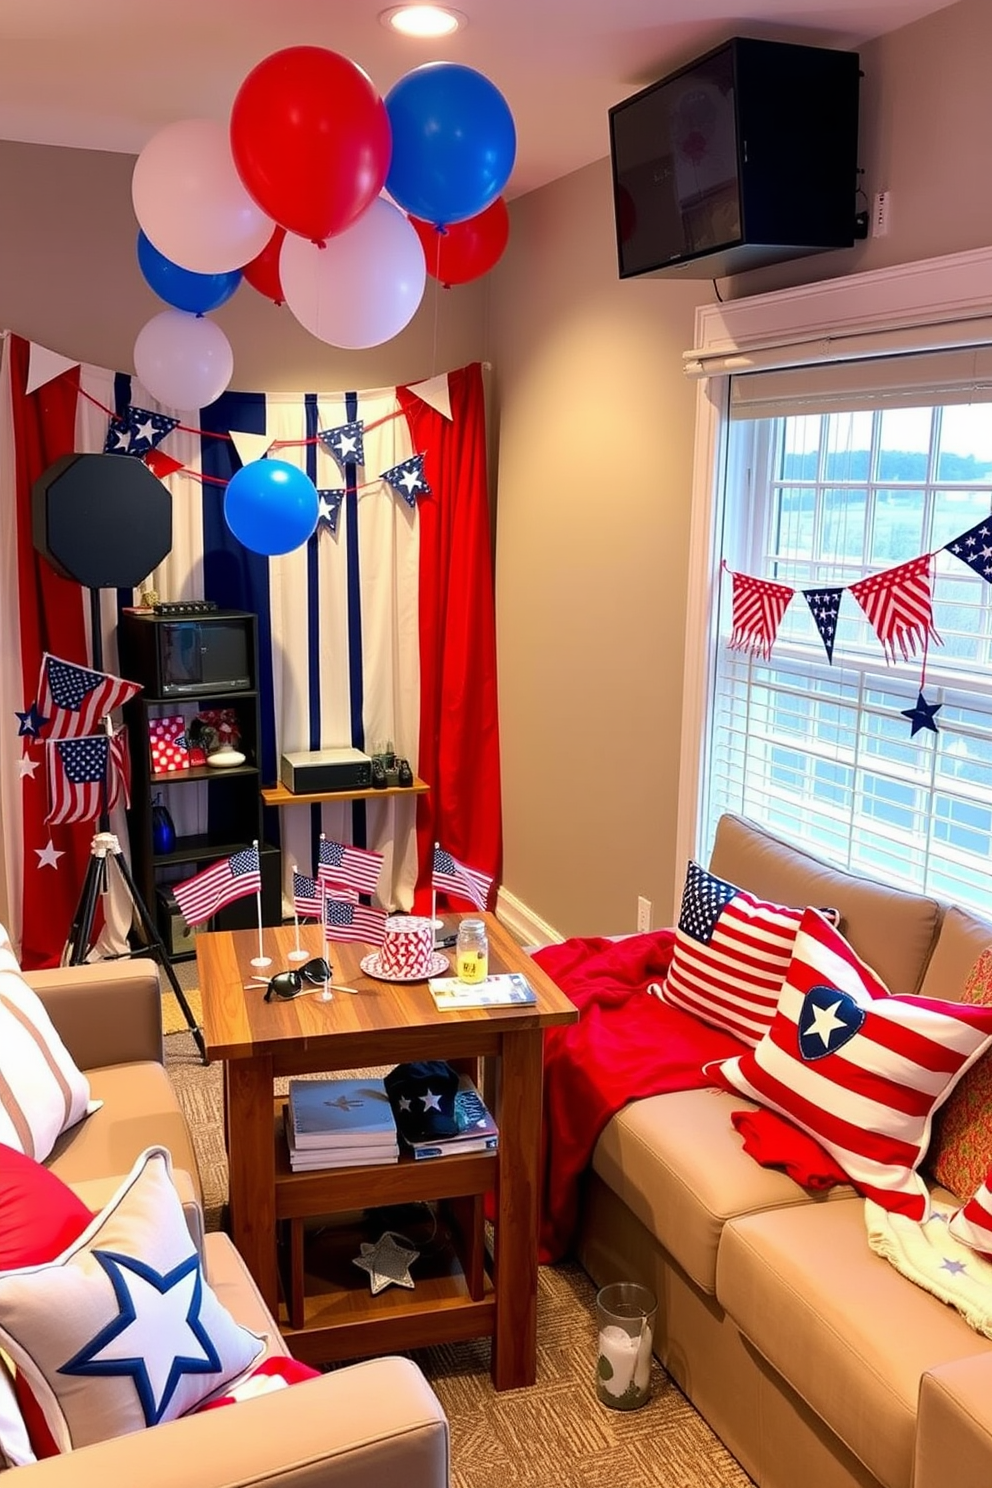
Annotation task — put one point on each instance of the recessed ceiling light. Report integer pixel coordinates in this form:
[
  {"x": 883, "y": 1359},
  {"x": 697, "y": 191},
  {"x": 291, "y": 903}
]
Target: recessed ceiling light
[{"x": 423, "y": 20}]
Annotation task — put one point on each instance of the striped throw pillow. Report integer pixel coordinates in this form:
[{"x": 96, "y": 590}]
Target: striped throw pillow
[
  {"x": 41, "y": 1090},
  {"x": 730, "y": 957},
  {"x": 972, "y": 1224},
  {"x": 858, "y": 1069}
]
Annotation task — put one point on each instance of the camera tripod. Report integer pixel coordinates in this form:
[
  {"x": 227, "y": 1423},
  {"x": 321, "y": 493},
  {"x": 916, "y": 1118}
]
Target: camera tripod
[{"x": 104, "y": 849}]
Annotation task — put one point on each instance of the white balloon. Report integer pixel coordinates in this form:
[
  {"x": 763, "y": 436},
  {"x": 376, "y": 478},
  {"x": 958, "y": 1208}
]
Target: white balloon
[
  {"x": 184, "y": 361},
  {"x": 363, "y": 286},
  {"x": 189, "y": 199}
]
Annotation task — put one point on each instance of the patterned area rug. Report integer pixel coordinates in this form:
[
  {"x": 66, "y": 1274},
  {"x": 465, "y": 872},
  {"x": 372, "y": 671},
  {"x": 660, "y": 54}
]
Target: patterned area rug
[
  {"x": 553, "y": 1435},
  {"x": 173, "y": 1017}
]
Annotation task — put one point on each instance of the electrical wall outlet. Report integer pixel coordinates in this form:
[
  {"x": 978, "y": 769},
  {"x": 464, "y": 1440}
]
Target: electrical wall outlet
[
  {"x": 880, "y": 214},
  {"x": 643, "y": 914}
]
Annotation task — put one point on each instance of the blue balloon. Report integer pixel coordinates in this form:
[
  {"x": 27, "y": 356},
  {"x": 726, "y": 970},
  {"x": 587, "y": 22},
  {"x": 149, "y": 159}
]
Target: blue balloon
[
  {"x": 182, "y": 288},
  {"x": 271, "y": 506},
  {"x": 453, "y": 142}
]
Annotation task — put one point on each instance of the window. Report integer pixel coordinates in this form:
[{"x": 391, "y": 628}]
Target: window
[{"x": 821, "y": 752}]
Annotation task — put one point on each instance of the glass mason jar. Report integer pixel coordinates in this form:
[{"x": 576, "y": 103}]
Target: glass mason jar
[{"x": 472, "y": 951}]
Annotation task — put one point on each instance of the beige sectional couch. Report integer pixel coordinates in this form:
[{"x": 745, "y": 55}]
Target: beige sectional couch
[
  {"x": 815, "y": 1361},
  {"x": 372, "y": 1425}
]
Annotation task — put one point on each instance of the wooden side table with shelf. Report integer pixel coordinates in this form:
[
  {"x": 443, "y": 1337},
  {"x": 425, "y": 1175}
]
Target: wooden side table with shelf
[{"x": 458, "y": 1296}]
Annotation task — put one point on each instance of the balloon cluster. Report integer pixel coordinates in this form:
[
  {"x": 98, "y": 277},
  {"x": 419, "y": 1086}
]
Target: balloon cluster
[{"x": 290, "y": 196}]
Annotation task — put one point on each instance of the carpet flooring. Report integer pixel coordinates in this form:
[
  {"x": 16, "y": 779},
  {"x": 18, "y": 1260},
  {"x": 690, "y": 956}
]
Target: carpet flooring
[{"x": 553, "y": 1435}]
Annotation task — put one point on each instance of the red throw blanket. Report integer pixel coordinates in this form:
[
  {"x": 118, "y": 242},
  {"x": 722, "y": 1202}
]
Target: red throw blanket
[{"x": 626, "y": 1044}]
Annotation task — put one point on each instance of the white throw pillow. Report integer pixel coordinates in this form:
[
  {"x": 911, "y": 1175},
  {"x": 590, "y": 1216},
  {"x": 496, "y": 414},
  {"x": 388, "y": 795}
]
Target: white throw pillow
[
  {"x": 122, "y": 1331},
  {"x": 41, "y": 1090}
]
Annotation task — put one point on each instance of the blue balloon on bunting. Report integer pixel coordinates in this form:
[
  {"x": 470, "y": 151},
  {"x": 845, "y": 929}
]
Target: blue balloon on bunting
[
  {"x": 271, "y": 506},
  {"x": 182, "y": 288},
  {"x": 453, "y": 142}
]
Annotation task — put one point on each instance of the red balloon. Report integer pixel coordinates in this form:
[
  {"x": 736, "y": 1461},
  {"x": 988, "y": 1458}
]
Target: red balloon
[
  {"x": 463, "y": 251},
  {"x": 311, "y": 140},
  {"x": 263, "y": 272}
]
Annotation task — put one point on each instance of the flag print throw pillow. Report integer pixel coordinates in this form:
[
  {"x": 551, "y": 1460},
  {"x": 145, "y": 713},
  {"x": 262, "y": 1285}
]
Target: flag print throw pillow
[
  {"x": 731, "y": 954},
  {"x": 972, "y": 1225},
  {"x": 858, "y": 1069}
]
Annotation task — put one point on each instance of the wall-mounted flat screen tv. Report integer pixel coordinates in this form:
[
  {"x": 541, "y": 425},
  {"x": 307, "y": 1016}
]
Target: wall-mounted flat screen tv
[{"x": 746, "y": 156}]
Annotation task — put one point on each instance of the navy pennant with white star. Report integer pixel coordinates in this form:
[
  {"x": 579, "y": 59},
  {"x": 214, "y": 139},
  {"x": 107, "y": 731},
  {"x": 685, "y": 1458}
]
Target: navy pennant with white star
[
  {"x": 703, "y": 900},
  {"x": 136, "y": 431},
  {"x": 974, "y": 547},
  {"x": 345, "y": 443},
  {"x": 824, "y": 606},
  {"x": 828, "y": 1020},
  {"x": 329, "y": 509},
  {"x": 407, "y": 479}
]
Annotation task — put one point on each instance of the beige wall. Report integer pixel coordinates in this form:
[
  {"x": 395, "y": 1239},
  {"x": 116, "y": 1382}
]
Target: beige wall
[
  {"x": 69, "y": 279},
  {"x": 594, "y": 423},
  {"x": 595, "y": 470},
  {"x": 595, "y": 451}
]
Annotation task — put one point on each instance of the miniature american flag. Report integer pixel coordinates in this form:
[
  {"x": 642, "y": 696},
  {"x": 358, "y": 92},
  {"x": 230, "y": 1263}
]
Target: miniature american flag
[
  {"x": 76, "y": 699},
  {"x": 355, "y": 866},
  {"x": 308, "y": 896},
  {"x": 77, "y": 778},
  {"x": 232, "y": 878},
  {"x": 346, "y": 921},
  {"x": 452, "y": 877}
]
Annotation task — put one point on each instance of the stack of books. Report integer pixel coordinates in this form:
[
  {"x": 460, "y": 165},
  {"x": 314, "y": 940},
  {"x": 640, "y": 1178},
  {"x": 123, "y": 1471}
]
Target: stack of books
[
  {"x": 339, "y": 1123},
  {"x": 477, "y": 1131}
]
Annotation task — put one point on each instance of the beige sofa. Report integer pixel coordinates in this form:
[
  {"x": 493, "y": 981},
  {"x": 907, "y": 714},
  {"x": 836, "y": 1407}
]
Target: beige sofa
[
  {"x": 372, "y": 1425},
  {"x": 813, "y": 1359}
]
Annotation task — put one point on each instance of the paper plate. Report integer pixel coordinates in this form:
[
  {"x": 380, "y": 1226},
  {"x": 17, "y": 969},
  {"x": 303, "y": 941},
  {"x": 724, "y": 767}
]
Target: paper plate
[{"x": 438, "y": 964}]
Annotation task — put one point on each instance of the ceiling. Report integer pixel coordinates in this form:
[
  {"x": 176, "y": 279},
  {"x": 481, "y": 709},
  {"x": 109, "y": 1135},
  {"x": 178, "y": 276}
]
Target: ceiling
[{"x": 105, "y": 75}]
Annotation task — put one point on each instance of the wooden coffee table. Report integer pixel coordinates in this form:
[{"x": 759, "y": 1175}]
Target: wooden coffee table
[{"x": 386, "y": 1023}]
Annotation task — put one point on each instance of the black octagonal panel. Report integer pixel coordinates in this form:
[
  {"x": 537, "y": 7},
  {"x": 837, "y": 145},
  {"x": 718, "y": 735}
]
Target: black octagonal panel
[{"x": 103, "y": 520}]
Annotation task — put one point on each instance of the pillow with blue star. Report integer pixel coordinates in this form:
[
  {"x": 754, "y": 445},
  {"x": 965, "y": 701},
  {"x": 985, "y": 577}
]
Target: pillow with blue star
[
  {"x": 858, "y": 1068},
  {"x": 122, "y": 1331}
]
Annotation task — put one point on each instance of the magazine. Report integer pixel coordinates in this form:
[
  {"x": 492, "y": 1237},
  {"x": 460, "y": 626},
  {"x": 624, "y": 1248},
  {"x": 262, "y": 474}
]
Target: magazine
[{"x": 506, "y": 989}]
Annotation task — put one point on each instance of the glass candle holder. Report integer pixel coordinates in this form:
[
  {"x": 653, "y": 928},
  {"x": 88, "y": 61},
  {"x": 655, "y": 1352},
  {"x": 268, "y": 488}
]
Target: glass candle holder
[{"x": 625, "y": 1314}]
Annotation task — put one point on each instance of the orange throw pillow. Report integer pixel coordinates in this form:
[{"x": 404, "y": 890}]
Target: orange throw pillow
[{"x": 961, "y": 1148}]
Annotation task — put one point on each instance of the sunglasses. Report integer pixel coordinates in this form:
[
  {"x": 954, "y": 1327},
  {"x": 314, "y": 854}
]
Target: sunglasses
[{"x": 287, "y": 984}]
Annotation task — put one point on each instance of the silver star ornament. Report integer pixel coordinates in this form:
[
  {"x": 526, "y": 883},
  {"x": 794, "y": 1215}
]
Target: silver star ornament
[{"x": 387, "y": 1263}]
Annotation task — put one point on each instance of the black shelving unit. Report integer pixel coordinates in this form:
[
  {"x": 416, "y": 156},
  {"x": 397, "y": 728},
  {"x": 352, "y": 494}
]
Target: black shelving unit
[{"x": 234, "y": 802}]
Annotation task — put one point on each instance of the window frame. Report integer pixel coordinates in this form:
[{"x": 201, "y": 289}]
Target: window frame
[{"x": 920, "y": 306}]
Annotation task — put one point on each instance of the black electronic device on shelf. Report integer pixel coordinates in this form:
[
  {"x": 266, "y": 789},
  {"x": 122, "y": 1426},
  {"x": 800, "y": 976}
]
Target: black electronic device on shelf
[
  {"x": 189, "y": 667},
  {"x": 183, "y": 653}
]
